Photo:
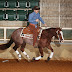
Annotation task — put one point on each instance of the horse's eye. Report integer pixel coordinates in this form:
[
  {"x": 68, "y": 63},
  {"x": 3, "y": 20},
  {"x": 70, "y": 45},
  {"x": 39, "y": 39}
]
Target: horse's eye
[{"x": 59, "y": 34}]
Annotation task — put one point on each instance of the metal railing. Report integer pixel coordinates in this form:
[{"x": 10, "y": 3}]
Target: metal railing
[{"x": 5, "y": 29}]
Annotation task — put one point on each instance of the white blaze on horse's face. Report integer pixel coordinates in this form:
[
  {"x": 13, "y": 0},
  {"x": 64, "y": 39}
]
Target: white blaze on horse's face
[{"x": 62, "y": 36}]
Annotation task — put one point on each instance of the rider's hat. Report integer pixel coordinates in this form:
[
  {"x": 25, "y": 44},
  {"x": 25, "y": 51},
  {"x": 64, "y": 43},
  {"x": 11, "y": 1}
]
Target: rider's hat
[{"x": 36, "y": 8}]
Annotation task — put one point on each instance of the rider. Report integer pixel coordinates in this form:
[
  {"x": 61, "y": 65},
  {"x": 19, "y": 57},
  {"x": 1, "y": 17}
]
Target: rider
[{"x": 33, "y": 19}]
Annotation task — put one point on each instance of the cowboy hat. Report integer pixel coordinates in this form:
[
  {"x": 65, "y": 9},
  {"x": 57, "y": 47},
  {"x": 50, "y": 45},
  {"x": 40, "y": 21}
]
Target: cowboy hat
[{"x": 36, "y": 8}]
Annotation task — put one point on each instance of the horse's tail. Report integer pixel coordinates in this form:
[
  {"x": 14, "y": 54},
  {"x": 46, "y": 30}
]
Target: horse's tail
[{"x": 7, "y": 45}]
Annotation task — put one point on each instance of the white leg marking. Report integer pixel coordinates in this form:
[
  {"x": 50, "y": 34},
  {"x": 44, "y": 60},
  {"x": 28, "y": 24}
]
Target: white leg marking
[
  {"x": 17, "y": 52},
  {"x": 37, "y": 58},
  {"x": 62, "y": 35},
  {"x": 26, "y": 55},
  {"x": 51, "y": 55},
  {"x": 19, "y": 55}
]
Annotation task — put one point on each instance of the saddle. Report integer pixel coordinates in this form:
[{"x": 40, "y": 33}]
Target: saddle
[{"x": 26, "y": 32}]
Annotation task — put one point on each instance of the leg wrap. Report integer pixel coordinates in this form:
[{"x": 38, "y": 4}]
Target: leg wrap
[
  {"x": 51, "y": 55},
  {"x": 37, "y": 58}
]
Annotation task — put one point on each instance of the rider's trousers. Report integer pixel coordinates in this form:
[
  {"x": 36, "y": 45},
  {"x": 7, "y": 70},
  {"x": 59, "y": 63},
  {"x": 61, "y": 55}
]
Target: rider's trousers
[{"x": 34, "y": 31}]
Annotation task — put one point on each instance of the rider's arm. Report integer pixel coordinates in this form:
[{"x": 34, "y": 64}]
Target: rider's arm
[
  {"x": 41, "y": 19},
  {"x": 30, "y": 19}
]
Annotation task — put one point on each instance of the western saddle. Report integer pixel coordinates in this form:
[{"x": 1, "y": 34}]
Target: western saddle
[{"x": 26, "y": 32}]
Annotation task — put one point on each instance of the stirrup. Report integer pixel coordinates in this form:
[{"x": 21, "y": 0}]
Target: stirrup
[{"x": 22, "y": 34}]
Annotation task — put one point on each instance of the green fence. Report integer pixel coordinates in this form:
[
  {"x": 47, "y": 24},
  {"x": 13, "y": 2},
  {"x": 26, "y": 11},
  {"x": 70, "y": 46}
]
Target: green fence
[
  {"x": 67, "y": 34},
  {"x": 9, "y": 32},
  {"x": 1, "y": 33}
]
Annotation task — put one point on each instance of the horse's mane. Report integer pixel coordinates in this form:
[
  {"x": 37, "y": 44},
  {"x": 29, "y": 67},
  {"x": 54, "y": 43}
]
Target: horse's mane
[
  {"x": 50, "y": 29},
  {"x": 54, "y": 28}
]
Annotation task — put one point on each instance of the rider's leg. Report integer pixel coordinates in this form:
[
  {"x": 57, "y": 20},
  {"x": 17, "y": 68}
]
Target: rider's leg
[
  {"x": 34, "y": 31},
  {"x": 34, "y": 36}
]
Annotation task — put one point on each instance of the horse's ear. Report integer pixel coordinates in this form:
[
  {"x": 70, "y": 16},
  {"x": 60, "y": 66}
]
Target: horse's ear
[{"x": 60, "y": 28}]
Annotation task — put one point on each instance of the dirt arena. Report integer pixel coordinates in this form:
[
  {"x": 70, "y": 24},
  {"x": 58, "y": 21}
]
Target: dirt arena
[{"x": 36, "y": 66}]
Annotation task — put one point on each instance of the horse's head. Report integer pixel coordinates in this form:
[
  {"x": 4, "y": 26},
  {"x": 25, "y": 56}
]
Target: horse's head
[{"x": 59, "y": 34}]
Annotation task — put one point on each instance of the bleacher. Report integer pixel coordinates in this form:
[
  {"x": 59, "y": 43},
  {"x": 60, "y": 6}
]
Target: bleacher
[
  {"x": 12, "y": 11},
  {"x": 2, "y": 15}
]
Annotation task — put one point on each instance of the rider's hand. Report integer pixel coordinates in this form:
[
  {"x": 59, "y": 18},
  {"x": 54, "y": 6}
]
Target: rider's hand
[
  {"x": 37, "y": 20},
  {"x": 45, "y": 25}
]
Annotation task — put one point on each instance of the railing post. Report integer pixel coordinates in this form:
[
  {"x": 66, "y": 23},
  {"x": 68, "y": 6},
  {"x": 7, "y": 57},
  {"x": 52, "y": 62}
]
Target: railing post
[{"x": 4, "y": 33}]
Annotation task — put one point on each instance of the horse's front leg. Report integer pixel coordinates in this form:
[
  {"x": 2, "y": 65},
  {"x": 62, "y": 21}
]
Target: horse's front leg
[
  {"x": 41, "y": 52},
  {"x": 52, "y": 52}
]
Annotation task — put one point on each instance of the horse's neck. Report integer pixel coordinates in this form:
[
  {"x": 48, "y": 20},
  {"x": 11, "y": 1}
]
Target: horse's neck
[
  {"x": 50, "y": 38},
  {"x": 51, "y": 34}
]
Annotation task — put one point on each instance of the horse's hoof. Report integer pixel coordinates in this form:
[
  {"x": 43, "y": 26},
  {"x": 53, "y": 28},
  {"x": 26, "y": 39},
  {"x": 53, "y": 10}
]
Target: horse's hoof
[
  {"x": 29, "y": 60},
  {"x": 48, "y": 58},
  {"x": 33, "y": 59},
  {"x": 19, "y": 59}
]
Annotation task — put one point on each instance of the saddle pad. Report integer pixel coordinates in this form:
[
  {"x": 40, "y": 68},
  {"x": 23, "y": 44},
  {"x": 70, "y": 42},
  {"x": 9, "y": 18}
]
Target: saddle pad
[
  {"x": 26, "y": 33},
  {"x": 29, "y": 36}
]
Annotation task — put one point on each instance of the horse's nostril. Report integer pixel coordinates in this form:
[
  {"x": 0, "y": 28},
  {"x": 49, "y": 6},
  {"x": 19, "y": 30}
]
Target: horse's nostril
[{"x": 62, "y": 41}]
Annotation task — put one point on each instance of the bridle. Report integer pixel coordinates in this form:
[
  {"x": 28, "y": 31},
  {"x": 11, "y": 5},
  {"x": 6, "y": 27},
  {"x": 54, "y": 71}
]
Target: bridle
[{"x": 60, "y": 34}]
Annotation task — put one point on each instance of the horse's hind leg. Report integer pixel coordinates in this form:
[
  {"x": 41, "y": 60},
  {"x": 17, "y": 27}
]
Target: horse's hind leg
[
  {"x": 22, "y": 49},
  {"x": 52, "y": 52},
  {"x": 17, "y": 52}
]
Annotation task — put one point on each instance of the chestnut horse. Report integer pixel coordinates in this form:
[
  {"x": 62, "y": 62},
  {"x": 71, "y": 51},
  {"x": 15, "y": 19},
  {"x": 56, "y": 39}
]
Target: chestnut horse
[{"x": 44, "y": 41}]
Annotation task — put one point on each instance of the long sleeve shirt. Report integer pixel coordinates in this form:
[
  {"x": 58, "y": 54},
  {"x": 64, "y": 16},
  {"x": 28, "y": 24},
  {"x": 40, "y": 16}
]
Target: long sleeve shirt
[{"x": 33, "y": 16}]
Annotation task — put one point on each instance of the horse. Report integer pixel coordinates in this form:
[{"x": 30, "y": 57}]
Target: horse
[{"x": 44, "y": 40}]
